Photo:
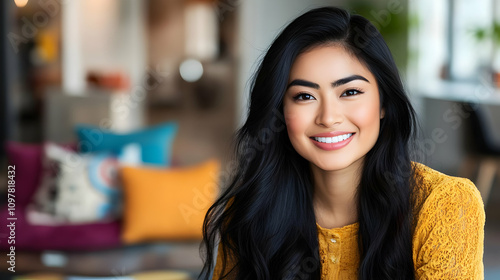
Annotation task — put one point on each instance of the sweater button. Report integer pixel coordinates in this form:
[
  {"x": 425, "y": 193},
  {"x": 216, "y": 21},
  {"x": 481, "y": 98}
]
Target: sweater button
[
  {"x": 333, "y": 259},
  {"x": 333, "y": 240}
]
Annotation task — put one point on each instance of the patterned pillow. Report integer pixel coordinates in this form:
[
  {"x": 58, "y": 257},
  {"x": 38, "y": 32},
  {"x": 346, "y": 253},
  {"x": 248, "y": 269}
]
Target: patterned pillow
[{"x": 76, "y": 188}]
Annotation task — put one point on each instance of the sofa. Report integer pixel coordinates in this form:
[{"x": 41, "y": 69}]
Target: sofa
[{"x": 109, "y": 204}]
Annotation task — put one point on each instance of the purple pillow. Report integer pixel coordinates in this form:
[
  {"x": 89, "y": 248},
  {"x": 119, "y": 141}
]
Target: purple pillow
[{"x": 27, "y": 159}]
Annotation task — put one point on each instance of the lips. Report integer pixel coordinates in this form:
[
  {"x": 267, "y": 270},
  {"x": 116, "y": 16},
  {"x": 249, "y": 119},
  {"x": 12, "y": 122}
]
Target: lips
[{"x": 332, "y": 140}]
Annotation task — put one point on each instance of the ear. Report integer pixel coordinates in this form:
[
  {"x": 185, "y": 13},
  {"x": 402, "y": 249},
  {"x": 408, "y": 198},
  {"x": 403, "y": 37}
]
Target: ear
[{"x": 382, "y": 113}]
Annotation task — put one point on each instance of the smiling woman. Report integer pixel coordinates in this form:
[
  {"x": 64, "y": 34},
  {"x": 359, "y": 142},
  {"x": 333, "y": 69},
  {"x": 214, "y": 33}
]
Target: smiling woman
[
  {"x": 335, "y": 195},
  {"x": 332, "y": 125}
]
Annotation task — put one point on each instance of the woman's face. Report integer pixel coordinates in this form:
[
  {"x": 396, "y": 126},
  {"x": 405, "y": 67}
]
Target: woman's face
[{"x": 332, "y": 108}]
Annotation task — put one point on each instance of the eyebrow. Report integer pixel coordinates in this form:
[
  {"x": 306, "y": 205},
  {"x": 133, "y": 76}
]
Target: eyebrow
[{"x": 339, "y": 82}]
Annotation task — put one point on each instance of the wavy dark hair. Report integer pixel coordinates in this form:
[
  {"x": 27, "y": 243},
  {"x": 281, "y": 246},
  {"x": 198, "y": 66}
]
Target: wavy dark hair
[{"x": 264, "y": 220}]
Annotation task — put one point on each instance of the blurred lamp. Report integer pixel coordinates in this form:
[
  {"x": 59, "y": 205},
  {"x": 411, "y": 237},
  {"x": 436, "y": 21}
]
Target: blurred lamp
[
  {"x": 21, "y": 3},
  {"x": 191, "y": 70}
]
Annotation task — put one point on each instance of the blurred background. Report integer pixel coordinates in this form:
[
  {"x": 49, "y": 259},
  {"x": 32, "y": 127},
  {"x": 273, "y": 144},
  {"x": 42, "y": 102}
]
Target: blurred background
[{"x": 118, "y": 116}]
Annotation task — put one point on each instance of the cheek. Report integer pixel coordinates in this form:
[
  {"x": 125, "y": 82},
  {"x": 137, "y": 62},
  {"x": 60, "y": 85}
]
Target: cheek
[
  {"x": 367, "y": 117},
  {"x": 293, "y": 124},
  {"x": 296, "y": 121},
  {"x": 296, "y": 125}
]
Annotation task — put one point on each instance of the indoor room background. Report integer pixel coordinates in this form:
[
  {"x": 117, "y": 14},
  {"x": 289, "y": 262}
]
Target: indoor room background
[{"x": 119, "y": 116}]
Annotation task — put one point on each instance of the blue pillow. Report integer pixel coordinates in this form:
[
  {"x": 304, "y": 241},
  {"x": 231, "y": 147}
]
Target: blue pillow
[{"x": 155, "y": 142}]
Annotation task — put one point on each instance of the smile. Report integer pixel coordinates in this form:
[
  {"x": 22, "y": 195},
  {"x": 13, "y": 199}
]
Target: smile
[
  {"x": 334, "y": 139},
  {"x": 332, "y": 143}
]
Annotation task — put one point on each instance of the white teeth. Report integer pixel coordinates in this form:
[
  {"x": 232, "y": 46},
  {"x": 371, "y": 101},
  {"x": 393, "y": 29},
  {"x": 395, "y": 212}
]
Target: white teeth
[{"x": 334, "y": 139}]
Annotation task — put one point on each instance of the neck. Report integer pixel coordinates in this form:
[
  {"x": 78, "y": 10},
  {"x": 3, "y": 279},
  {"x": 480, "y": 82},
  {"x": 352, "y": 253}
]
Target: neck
[{"x": 334, "y": 199}]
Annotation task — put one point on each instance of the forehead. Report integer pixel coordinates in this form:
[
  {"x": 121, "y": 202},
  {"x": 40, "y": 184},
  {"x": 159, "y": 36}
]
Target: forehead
[{"x": 327, "y": 61}]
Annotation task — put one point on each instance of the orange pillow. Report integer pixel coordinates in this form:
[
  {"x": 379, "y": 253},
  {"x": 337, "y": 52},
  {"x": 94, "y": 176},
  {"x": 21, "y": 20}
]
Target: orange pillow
[{"x": 167, "y": 204}]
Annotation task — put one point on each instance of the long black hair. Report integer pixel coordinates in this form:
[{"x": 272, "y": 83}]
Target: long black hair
[{"x": 264, "y": 220}]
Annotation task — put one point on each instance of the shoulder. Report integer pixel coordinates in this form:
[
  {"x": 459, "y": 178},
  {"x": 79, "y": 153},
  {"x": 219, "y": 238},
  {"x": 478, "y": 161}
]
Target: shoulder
[
  {"x": 437, "y": 196},
  {"x": 448, "y": 225},
  {"x": 437, "y": 191},
  {"x": 442, "y": 200}
]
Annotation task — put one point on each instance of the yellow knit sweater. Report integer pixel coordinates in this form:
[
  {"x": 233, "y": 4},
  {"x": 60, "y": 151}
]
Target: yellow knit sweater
[{"x": 447, "y": 240}]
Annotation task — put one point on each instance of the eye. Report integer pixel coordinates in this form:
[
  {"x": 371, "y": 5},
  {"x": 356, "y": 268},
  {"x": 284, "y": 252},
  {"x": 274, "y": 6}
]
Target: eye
[
  {"x": 351, "y": 92},
  {"x": 303, "y": 96}
]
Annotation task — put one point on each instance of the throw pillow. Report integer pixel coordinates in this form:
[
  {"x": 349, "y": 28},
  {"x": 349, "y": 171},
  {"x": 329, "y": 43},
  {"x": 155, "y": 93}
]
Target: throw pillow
[
  {"x": 167, "y": 204},
  {"x": 76, "y": 188},
  {"x": 155, "y": 142},
  {"x": 27, "y": 159}
]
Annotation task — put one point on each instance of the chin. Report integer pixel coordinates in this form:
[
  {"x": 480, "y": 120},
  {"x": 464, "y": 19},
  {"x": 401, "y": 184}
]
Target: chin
[{"x": 333, "y": 165}]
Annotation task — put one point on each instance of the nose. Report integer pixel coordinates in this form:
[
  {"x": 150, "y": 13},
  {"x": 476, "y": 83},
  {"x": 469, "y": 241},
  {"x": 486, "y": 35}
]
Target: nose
[{"x": 329, "y": 114}]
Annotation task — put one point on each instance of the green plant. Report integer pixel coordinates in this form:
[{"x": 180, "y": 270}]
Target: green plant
[{"x": 491, "y": 32}]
